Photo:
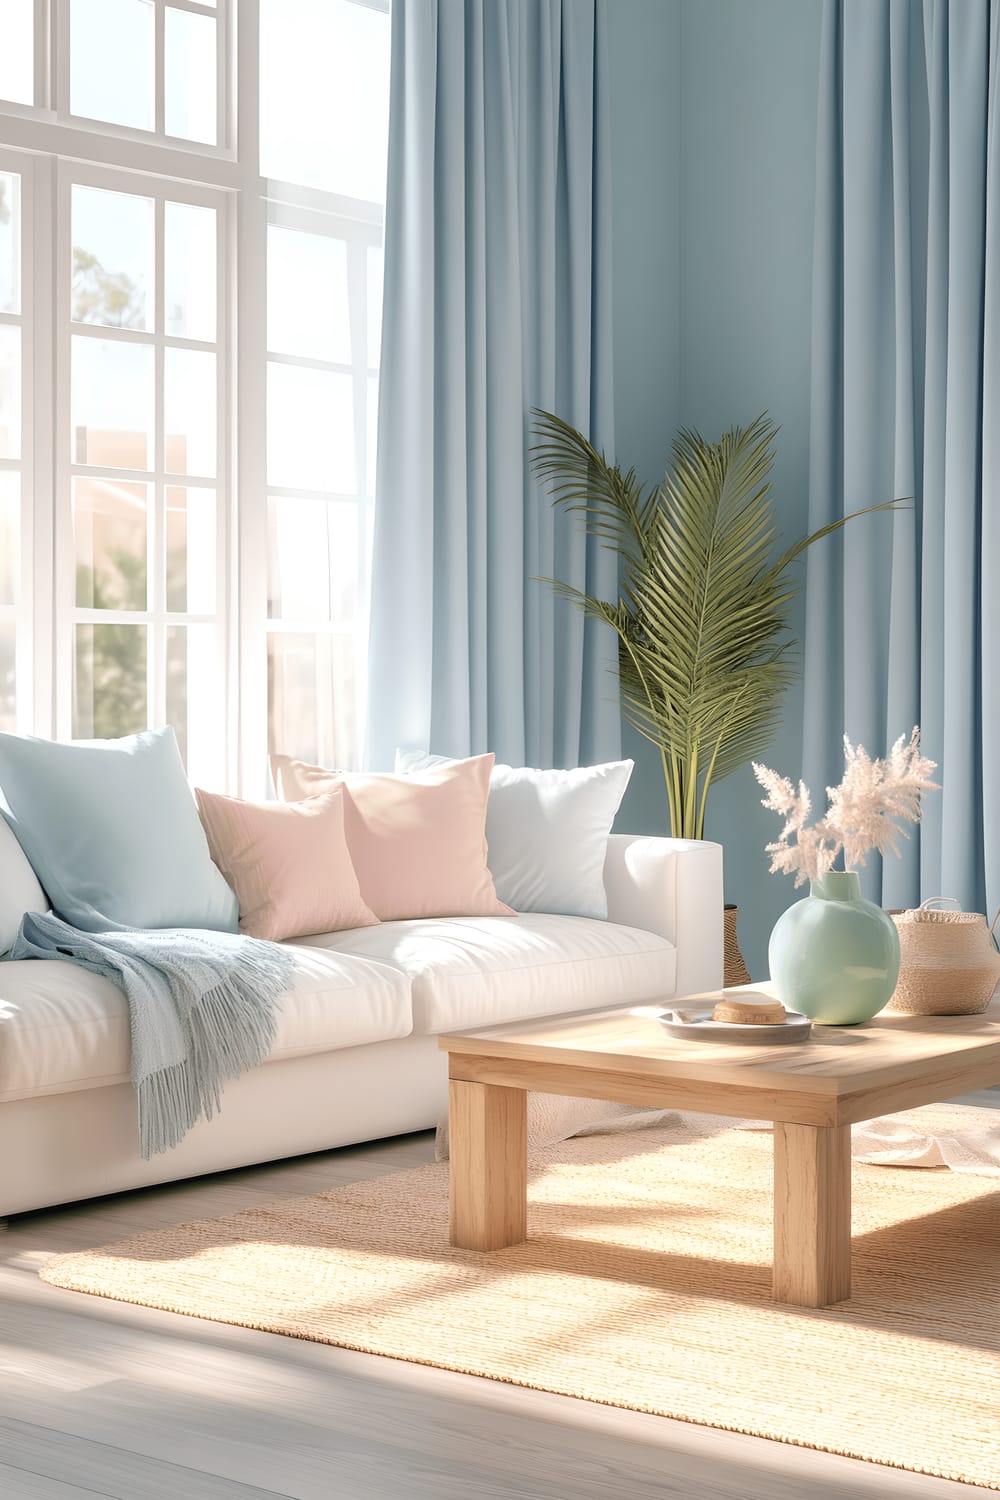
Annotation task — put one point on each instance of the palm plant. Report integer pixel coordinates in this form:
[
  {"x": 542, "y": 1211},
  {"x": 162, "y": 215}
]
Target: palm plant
[{"x": 702, "y": 611}]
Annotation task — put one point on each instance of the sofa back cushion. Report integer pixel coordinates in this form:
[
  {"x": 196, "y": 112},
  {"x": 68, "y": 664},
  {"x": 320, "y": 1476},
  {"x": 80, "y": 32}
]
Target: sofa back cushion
[
  {"x": 19, "y": 888},
  {"x": 547, "y": 832},
  {"x": 287, "y": 862},
  {"x": 112, "y": 833},
  {"x": 418, "y": 842}
]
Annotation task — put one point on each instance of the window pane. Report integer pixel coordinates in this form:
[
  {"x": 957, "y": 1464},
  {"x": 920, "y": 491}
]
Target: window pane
[
  {"x": 312, "y": 708},
  {"x": 189, "y": 271},
  {"x": 111, "y": 61},
  {"x": 10, "y": 536},
  {"x": 375, "y": 259},
  {"x": 8, "y": 686},
  {"x": 312, "y": 560},
  {"x": 10, "y": 241},
  {"x": 324, "y": 95},
  {"x": 109, "y": 527},
  {"x": 189, "y": 76},
  {"x": 17, "y": 61},
  {"x": 310, "y": 429},
  {"x": 112, "y": 403},
  {"x": 195, "y": 694},
  {"x": 189, "y": 411},
  {"x": 109, "y": 682},
  {"x": 191, "y": 550},
  {"x": 10, "y": 391},
  {"x": 307, "y": 295},
  {"x": 112, "y": 259}
]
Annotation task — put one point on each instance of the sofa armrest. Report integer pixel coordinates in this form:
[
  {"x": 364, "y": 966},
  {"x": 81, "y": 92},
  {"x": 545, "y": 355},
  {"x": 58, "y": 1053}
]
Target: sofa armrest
[{"x": 672, "y": 887}]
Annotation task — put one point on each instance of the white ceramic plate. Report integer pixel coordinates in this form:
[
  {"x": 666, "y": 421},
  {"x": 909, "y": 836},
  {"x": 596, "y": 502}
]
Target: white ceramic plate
[{"x": 701, "y": 1028}]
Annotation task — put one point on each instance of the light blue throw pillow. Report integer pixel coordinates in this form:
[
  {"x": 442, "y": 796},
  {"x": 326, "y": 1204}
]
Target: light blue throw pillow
[
  {"x": 547, "y": 832},
  {"x": 112, "y": 832}
]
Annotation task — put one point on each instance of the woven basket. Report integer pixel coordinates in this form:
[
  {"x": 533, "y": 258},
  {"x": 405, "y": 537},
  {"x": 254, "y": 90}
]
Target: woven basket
[
  {"x": 948, "y": 962},
  {"x": 734, "y": 970}
]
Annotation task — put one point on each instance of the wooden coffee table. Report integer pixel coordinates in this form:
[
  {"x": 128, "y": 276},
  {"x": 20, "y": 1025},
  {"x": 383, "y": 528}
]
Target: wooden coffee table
[{"x": 813, "y": 1091}]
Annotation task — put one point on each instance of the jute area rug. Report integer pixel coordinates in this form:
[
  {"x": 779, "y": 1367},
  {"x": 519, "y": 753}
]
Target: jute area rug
[{"x": 645, "y": 1284}]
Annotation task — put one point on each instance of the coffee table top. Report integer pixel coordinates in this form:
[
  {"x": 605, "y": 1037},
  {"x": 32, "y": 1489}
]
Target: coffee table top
[{"x": 840, "y": 1069}]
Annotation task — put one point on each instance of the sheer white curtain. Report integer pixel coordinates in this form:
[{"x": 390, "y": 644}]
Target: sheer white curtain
[{"x": 324, "y": 91}]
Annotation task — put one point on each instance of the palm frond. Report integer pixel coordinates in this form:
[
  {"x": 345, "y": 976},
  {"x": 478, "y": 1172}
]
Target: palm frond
[
  {"x": 702, "y": 616},
  {"x": 581, "y": 480},
  {"x": 799, "y": 547}
]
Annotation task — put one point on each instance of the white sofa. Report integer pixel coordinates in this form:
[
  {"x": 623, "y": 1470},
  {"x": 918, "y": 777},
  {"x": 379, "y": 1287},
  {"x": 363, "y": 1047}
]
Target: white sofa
[{"x": 356, "y": 1055}]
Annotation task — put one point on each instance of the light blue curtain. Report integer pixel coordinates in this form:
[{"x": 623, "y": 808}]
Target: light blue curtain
[
  {"x": 903, "y": 614},
  {"x": 497, "y": 299}
]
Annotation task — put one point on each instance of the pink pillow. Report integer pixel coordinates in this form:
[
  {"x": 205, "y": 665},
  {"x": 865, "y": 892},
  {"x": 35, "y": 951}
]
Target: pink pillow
[
  {"x": 418, "y": 842},
  {"x": 288, "y": 863}
]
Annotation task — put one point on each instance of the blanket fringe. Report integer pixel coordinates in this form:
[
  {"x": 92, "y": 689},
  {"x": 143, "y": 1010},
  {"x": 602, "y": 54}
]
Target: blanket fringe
[
  {"x": 203, "y": 1008},
  {"x": 231, "y": 1029}
]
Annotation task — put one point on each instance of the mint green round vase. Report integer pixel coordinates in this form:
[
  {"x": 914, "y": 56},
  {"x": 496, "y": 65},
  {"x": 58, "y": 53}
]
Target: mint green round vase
[{"x": 834, "y": 956}]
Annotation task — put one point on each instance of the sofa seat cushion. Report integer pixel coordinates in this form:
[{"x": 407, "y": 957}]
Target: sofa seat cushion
[
  {"x": 478, "y": 971},
  {"x": 63, "y": 1028}
]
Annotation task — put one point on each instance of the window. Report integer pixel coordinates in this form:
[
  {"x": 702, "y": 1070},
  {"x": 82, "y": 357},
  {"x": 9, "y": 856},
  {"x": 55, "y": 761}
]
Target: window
[
  {"x": 14, "y": 534},
  {"x": 141, "y": 283},
  {"x": 323, "y": 129},
  {"x": 322, "y": 394},
  {"x": 188, "y": 389},
  {"x": 324, "y": 95},
  {"x": 161, "y": 72},
  {"x": 17, "y": 55}
]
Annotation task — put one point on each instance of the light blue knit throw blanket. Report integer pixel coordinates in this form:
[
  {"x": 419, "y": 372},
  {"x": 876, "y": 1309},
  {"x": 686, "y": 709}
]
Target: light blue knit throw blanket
[{"x": 202, "y": 1009}]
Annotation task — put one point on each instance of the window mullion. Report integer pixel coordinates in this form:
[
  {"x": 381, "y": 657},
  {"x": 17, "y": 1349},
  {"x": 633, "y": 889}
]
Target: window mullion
[
  {"x": 251, "y": 486},
  {"x": 196, "y": 8},
  {"x": 226, "y": 38},
  {"x": 57, "y": 38},
  {"x": 63, "y": 554},
  {"x": 249, "y": 611},
  {"x": 357, "y": 267},
  {"x": 156, "y": 530},
  {"x": 32, "y": 678},
  {"x": 44, "y": 26},
  {"x": 159, "y": 87},
  {"x": 308, "y": 362},
  {"x": 226, "y": 516}
]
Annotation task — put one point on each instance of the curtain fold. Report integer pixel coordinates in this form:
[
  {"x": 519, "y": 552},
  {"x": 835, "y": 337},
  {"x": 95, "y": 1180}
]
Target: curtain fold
[
  {"x": 497, "y": 299},
  {"x": 902, "y": 620}
]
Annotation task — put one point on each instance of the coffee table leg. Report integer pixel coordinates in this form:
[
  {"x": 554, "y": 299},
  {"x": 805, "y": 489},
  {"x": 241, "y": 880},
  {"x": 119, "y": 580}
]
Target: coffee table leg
[
  {"x": 812, "y": 1214},
  {"x": 489, "y": 1165}
]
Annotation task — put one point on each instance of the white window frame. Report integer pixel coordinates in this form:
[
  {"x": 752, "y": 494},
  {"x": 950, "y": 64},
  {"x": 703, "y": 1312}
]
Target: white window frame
[
  {"x": 158, "y": 478},
  {"x": 263, "y": 201},
  {"x": 59, "y": 40},
  {"x": 21, "y": 613},
  {"x": 38, "y": 142},
  {"x": 49, "y": 147},
  {"x": 52, "y": 88},
  {"x": 360, "y": 234}
]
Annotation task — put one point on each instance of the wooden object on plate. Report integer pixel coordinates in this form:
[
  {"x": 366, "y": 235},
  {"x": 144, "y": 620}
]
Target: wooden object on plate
[{"x": 758, "y": 1011}]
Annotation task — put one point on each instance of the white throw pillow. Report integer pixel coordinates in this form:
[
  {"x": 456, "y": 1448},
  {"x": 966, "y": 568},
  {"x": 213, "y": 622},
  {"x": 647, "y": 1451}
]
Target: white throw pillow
[
  {"x": 19, "y": 888},
  {"x": 547, "y": 832}
]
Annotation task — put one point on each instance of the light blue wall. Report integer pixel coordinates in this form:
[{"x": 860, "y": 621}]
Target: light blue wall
[
  {"x": 644, "y": 41},
  {"x": 714, "y": 141}
]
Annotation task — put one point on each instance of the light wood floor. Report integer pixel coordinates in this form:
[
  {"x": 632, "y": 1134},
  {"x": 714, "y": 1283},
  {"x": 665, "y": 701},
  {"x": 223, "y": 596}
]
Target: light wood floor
[{"x": 98, "y": 1398}]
